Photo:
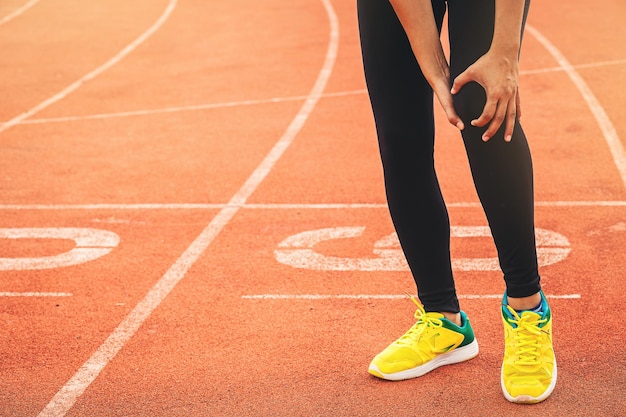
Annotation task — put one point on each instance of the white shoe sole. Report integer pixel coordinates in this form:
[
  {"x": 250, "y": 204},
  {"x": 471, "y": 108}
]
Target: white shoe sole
[{"x": 461, "y": 354}]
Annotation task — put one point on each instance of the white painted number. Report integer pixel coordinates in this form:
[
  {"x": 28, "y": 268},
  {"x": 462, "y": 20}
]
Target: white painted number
[
  {"x": 90, "y": 244},
  {"x": 298, "y": 251}
]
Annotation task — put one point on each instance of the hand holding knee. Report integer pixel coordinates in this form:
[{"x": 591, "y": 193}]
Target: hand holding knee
[{"x": 498, "y": 75}]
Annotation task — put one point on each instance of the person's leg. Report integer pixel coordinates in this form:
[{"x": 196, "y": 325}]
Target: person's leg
[
  {"x": 502, "y": 171},
  {"x": 402, "y": 102},
  {"x": 503, "y": 175}
]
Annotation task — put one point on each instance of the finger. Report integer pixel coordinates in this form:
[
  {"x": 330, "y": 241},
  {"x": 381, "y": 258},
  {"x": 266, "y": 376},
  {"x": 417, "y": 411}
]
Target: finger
[
  {"x": 488, "y": 113},
  {"x": 518, "y": 105},
  {"x": 496, "y": 121},
  {"x": 445, "y": 99},
  {"x": 452, "y": 116},
  {"x": 510, "y": 120},
  {"x": 462, "y": 79}
]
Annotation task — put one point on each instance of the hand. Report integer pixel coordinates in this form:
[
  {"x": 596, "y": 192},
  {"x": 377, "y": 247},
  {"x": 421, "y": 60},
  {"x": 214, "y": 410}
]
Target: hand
[
  {"x": 498, "y": 75},
  {"x": 418, "y": 21},
  {"x": 441, "y": 89}
]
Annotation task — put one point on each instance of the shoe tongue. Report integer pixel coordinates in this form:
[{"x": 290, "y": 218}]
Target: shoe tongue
[
  {"x": 530, "y": 314},
  {"x": 532, "y": 317},
  {"x": 526, "y": 315}
]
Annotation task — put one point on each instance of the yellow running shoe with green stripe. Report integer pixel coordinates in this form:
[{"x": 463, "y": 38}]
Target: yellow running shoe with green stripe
[
  {"x": 432, "y": 342},
  {"x": 528, "y": 372}
]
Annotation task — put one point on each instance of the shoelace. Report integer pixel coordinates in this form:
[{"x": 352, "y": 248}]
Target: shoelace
[
  {"x": 527, "y": 336},
  {"x": 424, "y": 321}
]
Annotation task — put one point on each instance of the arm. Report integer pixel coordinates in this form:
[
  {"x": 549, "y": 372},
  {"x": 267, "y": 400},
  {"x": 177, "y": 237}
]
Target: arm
[
  {"x": 497, "y": 71},
  {"x": 418, "y": 21}
]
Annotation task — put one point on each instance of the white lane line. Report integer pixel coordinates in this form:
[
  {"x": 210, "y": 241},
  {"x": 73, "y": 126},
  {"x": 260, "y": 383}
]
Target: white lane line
[
  {"x": 18, "y": 12},
  {"x": 610, "y": 134},
  {"x": 579, "y": 66},
  {"x": 148, "y": 112},
  {"x": 381, "y": 296},
  {"x": 197, "y": 107},
  {"x": 615, "y": 203},
  {"x": 208, "y": 106},
  {"x": 88, "y": 372},
  {"x": 35, "y": 294},
  {"x": 115, "y": 206},
  {"x": 275, "y": 206},
  {"x": 93, "y": 74}
]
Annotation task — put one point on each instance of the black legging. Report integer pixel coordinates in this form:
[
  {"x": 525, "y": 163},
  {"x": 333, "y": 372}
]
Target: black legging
[{"x": 402, "y": 102}]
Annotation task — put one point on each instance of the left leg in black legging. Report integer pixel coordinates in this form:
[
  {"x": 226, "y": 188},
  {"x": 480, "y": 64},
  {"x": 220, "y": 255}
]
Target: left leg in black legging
[
  {"x": 402, "y": 102},
  {"x": 502, "y": 171}
]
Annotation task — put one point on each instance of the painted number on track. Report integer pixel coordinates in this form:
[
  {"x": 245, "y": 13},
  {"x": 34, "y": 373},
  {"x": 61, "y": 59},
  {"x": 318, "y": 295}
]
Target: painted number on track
[
  {"x": 90, "y": 244},
  {"x": 298, "y": 251}
]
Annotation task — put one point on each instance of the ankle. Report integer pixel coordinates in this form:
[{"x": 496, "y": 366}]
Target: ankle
[
  {"x": 453, "y": 317},
  {"x": 525, "y": 303}
]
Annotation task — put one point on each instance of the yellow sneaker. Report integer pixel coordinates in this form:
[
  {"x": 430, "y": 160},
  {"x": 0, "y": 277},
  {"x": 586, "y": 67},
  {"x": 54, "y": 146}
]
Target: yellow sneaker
[
  {"x": 432, "y": 342},
  {"x": 529, "y": 367}
]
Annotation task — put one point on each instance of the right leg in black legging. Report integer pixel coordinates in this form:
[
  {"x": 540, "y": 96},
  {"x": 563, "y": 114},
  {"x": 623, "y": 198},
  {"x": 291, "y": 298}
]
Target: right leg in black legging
[
  {"x": 502, "y": 171},
  {"x": 402, "y": 102}
]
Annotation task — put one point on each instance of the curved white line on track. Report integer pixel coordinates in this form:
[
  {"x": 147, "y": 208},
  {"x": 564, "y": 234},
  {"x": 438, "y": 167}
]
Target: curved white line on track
[
  {"x": 18, "y": 12},
  {"x": 89, "y": 371},
  {"x": 610, "y": 134},
  {"x": 93, "y": 74},
  {"x": 579, "y": 66}
]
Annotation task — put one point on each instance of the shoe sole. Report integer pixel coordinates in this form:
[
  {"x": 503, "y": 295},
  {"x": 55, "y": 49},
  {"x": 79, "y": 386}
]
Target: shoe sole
[
  {"x": 528, "y": 399},
  {"x": 461, "y": 354}
]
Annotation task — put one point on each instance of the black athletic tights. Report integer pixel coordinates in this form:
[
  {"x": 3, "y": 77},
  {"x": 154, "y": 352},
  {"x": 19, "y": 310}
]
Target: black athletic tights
[{"x": 402, "y": 103}]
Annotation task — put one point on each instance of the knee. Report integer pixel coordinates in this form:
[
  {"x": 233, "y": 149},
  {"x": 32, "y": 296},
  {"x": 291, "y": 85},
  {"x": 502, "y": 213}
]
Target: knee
[{"x": 469, "y": 102}]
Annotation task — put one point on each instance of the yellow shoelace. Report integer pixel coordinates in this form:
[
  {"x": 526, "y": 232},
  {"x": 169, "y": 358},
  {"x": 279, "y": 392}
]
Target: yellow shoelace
[
  {"x": 527, "y": 336},
  {"x": 424, "y": 321}
]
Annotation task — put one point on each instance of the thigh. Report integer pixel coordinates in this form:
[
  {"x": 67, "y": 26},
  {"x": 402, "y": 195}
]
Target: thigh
[
  {"x": 470, "y": 31},
  {"x": 401, "y": 98}
]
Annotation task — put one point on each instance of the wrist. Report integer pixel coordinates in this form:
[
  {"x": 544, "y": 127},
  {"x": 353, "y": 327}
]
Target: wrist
[{"x": 505, "y": 48}]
